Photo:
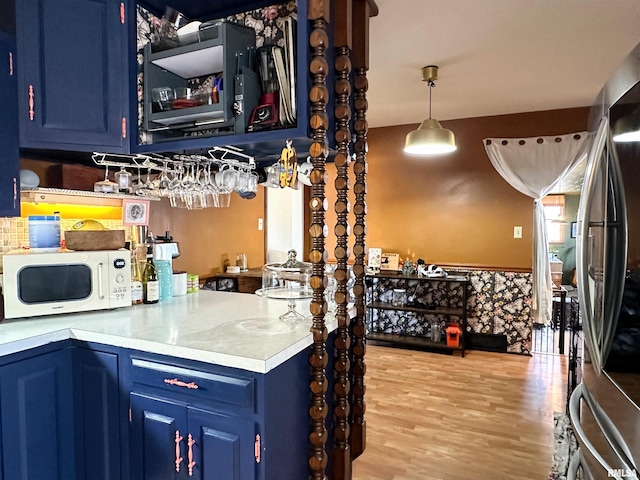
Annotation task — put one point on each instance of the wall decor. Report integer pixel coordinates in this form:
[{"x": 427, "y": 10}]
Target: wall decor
[{"x": 135, "y": 212}]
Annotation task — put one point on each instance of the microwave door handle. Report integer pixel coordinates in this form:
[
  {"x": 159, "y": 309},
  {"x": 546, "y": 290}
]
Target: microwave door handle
[
  {"x": 101, "y": 281},
  {"x": 584, "y": 244}
]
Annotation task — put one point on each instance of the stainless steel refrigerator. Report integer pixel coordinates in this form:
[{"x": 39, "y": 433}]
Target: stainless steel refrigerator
[{"x": 605, "y": 407}]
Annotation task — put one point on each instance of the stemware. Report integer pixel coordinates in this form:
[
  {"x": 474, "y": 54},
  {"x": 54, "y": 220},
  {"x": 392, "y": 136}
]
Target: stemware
[{"x": 106, "y": 185}]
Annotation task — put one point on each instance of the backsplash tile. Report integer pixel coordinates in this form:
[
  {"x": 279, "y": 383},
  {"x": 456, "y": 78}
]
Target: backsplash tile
[{"x": 14, "y": 232}]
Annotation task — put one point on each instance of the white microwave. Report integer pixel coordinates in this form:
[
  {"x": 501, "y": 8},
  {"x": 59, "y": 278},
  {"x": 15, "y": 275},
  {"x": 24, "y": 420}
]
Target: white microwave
[{"x": 63, "y": 282}]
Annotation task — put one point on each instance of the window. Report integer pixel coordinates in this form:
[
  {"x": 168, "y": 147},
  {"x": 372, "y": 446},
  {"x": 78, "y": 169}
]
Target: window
[{"x": 554, "y": 214}]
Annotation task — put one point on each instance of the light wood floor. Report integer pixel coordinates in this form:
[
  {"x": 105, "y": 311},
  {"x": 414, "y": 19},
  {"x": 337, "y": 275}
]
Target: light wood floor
[{"x": 487, "y": 416}]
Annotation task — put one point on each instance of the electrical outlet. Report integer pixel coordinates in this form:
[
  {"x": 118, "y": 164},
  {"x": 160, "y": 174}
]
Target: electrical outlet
[
  {"x": 260, "y": 224},
  {"x": 517, "y": 231}
]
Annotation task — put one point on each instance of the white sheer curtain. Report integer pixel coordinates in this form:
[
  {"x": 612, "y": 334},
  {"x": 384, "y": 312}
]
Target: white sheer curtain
[{"x": 533, "y": 166}]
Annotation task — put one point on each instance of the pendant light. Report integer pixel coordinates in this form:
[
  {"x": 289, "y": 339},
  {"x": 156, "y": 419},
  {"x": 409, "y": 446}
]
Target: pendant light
[{"x": 430, "y": 138}]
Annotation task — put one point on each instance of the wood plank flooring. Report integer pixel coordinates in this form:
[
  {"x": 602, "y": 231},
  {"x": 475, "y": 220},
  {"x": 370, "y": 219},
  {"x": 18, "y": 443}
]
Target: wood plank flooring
[{"x": 487, "y": 416}]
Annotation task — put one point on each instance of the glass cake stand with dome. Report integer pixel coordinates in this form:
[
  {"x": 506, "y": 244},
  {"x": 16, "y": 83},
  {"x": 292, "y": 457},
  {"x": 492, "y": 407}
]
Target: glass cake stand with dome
[{"x": 287, "y": 281}]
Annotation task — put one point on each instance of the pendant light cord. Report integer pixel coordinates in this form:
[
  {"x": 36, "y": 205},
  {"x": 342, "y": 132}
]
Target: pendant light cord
[{"x": 431, "y": 85}]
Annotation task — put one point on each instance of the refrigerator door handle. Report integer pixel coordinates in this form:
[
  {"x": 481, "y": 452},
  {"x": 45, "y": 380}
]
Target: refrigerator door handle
[
  {"x": 576, "y": 462},
  {"x": 574, "y": 415},
  {"x": 616, "y": 265},
  {"x": 583, "y": 244}
]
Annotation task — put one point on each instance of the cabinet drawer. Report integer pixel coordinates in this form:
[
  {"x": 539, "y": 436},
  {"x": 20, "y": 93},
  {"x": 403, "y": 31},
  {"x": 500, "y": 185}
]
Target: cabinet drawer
[{"x": 197, "y": 384}]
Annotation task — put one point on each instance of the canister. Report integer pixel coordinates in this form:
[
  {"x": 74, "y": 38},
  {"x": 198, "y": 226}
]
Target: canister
[
  {"x": 44, "y": 232},
  {"x": 398, "y": 298},
  {"x": 179, "y": 283}
]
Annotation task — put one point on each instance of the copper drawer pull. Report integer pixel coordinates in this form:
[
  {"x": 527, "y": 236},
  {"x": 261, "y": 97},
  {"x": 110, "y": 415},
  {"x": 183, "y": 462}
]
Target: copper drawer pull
[
  {"x": 178, "y": 457},
  {"x": 180, "y": 383},
  {"x": 192, "y": 463}
]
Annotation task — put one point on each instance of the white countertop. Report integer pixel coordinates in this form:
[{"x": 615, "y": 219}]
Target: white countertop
[{"x": 231, "y": 329}]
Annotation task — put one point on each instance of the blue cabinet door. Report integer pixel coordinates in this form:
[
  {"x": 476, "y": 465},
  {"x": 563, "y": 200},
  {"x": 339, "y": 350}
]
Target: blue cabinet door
[
  {"x": 158, "y": 438},
  {"x": 73, "y": 74},
  {"x": 9, "y": 151},
  {"x": 172, "y": 441},
  {"x": 222, "y": 447},
  {"x": 36, "y": 409},
  {"x": 97, "y": 414}
]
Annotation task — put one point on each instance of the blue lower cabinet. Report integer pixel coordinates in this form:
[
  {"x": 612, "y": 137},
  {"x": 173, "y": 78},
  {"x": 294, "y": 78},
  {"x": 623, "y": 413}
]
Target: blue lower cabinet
[
  {"x": 157, "y": 437},
  {"x": 172, "y": 441},
  {"x": 36, "y": 412},
  {"x": 222, "y": 446},
  {"x": 97, "y": 417}
]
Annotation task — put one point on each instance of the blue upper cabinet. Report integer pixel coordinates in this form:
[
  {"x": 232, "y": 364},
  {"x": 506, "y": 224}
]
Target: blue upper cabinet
[
  {"x": 9, "y": 151},
  {"x": 73, "y": 75},
  {"x": 86, "y": 78}
]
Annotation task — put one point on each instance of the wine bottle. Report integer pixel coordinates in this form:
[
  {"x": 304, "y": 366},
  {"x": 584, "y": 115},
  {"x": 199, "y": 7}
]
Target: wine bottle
[
  {"x": 137, "y": 292},
  {"x": 150, "y": 287}
]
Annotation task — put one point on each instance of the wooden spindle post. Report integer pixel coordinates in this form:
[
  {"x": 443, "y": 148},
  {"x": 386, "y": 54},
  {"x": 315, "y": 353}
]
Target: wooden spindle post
[
  {"x": 362, "y": 11},
  {"x": 341, "y": 468},
  {"x": 319, "y": 15}
]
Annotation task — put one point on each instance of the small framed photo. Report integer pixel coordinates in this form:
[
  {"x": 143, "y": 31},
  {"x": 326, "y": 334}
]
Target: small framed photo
[
  {"x": 135, "y": 212},
  {"x": 574, "y": 229},
  {"x": 389, "y": 261}
]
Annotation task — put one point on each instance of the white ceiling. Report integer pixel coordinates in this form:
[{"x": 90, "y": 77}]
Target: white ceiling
[{"x": 495, "y": 56}]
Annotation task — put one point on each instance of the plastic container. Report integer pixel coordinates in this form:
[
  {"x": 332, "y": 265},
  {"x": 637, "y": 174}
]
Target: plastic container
[
  {"x": 193, "y": 283},
  {"x": 165, "y": 279},
  {"x": 436, "y": 332},
  {"x": 44, "y": 233},
  {"x": 453, "y": 336}
]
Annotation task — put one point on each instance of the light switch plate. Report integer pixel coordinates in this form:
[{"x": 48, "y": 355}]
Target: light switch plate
[{"x": 517, "y": 231}]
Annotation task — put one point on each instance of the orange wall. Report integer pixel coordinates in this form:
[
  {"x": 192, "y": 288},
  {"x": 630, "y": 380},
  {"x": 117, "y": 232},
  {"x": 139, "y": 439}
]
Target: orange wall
[
  {"x": 206, "y": 236},
  {"x": 452, "y": 209}
]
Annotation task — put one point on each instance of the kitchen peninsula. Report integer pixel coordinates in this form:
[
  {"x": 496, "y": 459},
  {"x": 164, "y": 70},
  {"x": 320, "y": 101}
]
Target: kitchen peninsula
[{"x": 218, "y": 370}]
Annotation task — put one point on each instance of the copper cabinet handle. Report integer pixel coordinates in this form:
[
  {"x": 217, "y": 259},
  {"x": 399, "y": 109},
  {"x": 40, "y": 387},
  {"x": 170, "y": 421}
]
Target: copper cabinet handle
[
  {"x": 192, "y": 463},
  {"x": 178, "y": 457},
  {"x": 11, "y": 64},
  {"x": 31, "y": 103},
  {"x": 180, "y": 383},
  {"x": 256, "y": 448}
]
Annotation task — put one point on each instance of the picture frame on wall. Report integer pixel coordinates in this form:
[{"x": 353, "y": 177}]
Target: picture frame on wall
[
  {"x": 135, "y": 212},
  {"x": 389, "y": 261},
  {"x": 574, "y": 229}
]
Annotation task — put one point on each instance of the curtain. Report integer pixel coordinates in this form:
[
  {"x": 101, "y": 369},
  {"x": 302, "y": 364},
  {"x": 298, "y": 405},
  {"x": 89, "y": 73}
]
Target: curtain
[{"x": 533, "y": 166}]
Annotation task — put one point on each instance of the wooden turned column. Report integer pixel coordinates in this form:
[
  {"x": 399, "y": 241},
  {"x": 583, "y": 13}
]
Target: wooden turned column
[
  {"x": 319, "y": 14},
  {"x": 341, "y": 462},
  {"x": 362, "y": 10}
]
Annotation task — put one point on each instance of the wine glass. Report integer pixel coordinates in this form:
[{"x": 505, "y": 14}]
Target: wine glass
[{"x": 106, "y": 185}]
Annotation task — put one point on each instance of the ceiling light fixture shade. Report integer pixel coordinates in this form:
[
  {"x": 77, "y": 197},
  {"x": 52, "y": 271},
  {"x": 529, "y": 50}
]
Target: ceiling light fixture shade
[{"x": 430, "y": 138}]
